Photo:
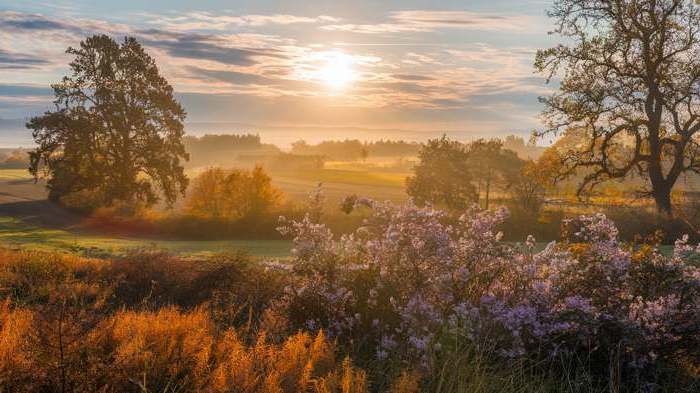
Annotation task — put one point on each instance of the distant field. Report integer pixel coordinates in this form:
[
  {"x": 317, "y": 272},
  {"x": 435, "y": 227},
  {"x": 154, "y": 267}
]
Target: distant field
[
  {"x": 15, "y": 233},
  {"x": 338, "y": 184},
  {"x": 14, "y": 174},
  {"x": 357, "y": 177},
  {"x": 27, "y": 220}
]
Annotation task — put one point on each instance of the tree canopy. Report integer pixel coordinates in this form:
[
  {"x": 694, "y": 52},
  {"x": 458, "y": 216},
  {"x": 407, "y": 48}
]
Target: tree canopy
[
  {"x": 492, "y": 165},
  {"x": 231, "y": 195},
  {"x": 116, "y": 131},
  {"x": 443, "y": 176},
  {"x": 630, "y": 83}
]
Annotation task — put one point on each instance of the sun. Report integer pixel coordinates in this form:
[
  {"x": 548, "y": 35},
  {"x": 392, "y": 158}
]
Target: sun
[{"x": 337, "y": 70}]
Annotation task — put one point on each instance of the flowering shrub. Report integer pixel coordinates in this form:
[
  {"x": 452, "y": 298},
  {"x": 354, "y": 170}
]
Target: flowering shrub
[{"x": 411, "y": 277}]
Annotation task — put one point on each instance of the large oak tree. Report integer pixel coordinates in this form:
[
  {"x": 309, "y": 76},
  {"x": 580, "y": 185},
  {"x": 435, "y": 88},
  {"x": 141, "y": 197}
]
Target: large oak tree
[
  {"x": 630, "y": 84},
  {"x": 116, "y": 131}
]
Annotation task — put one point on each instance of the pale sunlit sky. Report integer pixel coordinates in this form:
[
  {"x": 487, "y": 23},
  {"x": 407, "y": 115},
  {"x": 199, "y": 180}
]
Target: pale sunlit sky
[{"x": 409, "y": 65}]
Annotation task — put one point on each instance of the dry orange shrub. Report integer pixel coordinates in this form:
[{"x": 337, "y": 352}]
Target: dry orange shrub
[
  {"x": 15, "y": 347},
  {"x": 67, "y": 334},
  {"x": 173, "y": 350},
  {"x": 346, "y": 380},
  {"x": 301, "y": 364},
  {"x": 407, "y": 382},
  {"x": 157, "y": 350}
]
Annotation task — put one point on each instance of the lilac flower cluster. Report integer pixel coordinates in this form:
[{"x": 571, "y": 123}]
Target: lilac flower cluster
[{"x": 411, "y": 276}]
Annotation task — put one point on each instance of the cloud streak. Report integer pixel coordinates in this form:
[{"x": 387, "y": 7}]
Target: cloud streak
[
  {"x": 210, "y": 21},
  {"x": 9, "y": 60},
  {"x": 414, "y": 21}
]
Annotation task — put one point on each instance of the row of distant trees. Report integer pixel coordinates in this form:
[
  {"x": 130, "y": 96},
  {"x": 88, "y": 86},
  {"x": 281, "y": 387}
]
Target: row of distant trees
[
  {"x": 14, "y": 159},
  {"x": 629, "y": 86},
  {"x": 353, "y": 149}
]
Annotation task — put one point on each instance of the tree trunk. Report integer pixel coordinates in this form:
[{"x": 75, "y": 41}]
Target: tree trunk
[
  {"x": 662, "y": 197},
  {"x": 488, "y": 188}
]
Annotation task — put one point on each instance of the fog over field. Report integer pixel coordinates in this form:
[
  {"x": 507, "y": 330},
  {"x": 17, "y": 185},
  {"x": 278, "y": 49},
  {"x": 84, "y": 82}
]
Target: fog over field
[{"x": 14, "y": 134}]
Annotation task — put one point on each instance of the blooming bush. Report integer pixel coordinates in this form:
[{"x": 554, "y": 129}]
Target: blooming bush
[{"x": 411, "y": 277}]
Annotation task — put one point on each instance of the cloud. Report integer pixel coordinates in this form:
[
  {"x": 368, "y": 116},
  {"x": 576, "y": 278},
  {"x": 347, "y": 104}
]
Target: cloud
[
  {"x": 31, "y": 23},
  {"x": 209, "y": 21},
  {"x": 9, "y": 60},
  {"x": 426, "y": 21},
  {"x": 204, "y": 47},
  {"x": 230, "y": 77},
  {"x": 458, "y": 19},
  {"x": 27, "y": 23},
  {"x": 409, "y": 77},
  {"x": 381, "y": 28},
  {"x": 10, "y": 90},
  {"x": 263, "y": 58},
  {"x": 192, "y": 45}
]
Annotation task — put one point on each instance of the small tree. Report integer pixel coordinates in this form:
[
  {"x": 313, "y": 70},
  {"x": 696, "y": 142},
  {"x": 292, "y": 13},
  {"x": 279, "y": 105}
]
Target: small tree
[
  {"x": 364, "y": 153},
  {"x": 231, "y": 195},
  {"x": 630, "y": 81},
  {"x": 527, "y": 188},
  {"x": 117, "y": 130},
  {"x": 492, "y": 165},
  {"x": 442, "y": 176}
]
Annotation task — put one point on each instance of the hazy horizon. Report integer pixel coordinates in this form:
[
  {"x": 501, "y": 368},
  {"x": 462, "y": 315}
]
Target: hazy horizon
[{"x": 284, "y": 136}]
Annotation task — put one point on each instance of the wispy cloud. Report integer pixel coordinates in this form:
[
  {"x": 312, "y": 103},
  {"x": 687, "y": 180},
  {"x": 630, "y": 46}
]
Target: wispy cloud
[
  {"x": 462, "y": 19},
  {"x": 426, "y": 21},
  {"x": 210, "y": 21},
  {"x": 9, "y": 60},
  {"x": 225, "y": 50}
]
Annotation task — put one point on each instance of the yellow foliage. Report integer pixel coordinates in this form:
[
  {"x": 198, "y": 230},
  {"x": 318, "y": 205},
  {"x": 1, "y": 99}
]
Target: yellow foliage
[
  {"x": 219, "y": 194},
  {"x": 169, "y": 348}
]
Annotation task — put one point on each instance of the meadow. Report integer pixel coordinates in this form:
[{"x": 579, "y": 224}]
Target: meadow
[{"x": 32, "y": 231}]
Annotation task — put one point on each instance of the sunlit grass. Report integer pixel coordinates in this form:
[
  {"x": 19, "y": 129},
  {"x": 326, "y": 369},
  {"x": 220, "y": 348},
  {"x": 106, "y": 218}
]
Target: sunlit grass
[
  {"x": 14, "y": 232},
  {"x": 14, "y": 174},
  {"x": 355, "y": 177}
]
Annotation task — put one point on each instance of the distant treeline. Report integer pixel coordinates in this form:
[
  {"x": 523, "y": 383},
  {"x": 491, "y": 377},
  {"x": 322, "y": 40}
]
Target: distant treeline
[
  {"x": 353, "y": 149},
  {"x": 524, "y": 150},
  {"x": 14, "y": 158},
  {"x": 222, "y": 149}
]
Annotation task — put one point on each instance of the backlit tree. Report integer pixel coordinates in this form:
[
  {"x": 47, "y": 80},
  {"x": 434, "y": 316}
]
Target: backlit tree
[
  {"x": 630, "y": 83},
  {"x": 116, "y": 132}
]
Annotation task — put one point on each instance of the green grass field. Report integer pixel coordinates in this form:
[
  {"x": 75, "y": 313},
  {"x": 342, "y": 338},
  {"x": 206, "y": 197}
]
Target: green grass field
[{"x": 16, "y": 234}]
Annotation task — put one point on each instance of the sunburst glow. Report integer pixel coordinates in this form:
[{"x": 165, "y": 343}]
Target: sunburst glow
[{"x": 337, "y": 71}]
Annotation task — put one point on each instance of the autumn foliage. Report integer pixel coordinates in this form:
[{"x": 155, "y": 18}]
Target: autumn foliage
[{"x": 230, "y": 195}]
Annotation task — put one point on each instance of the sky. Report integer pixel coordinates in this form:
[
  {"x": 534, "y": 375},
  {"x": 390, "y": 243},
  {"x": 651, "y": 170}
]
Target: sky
[{"x": 409, "y": 66}]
